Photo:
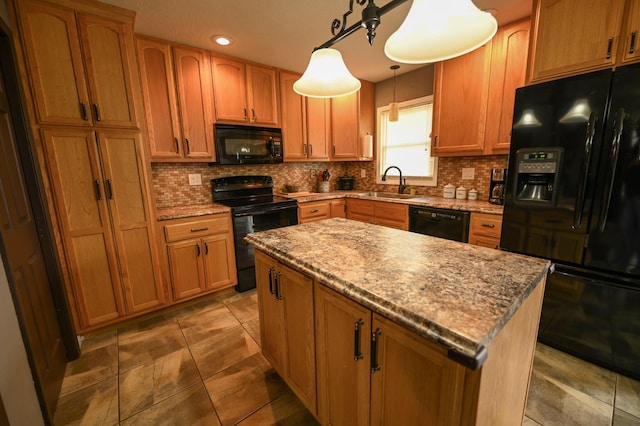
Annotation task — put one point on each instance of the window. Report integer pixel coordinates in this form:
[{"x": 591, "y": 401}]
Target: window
[{"x": 406, "y": 143}]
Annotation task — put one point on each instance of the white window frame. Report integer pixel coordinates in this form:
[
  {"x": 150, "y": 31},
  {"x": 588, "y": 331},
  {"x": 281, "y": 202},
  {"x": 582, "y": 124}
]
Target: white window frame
[{"x": 410, "y": 180}]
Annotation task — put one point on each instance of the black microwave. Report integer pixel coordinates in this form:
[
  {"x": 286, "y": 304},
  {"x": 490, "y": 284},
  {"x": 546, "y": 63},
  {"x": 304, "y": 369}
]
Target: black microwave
[{"x": 248, "y": 145}]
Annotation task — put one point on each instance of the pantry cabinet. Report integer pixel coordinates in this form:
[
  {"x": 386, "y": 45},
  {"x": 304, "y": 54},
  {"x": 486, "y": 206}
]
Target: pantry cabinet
[
  {"x": 102, "y": 201},
  {"x": 352, "y": 118},
  {"x": 305, "y": 122},
  {"x": 285, "y": 303},
  {"x": 245, "y": 93},
  {"x": 574, "y": 36},
  {"x": 201, "y": 255},
  {"x": 178, "y": 98},
  {"x": 81, "y": 66},
  {"x": 379, "y": 213}
]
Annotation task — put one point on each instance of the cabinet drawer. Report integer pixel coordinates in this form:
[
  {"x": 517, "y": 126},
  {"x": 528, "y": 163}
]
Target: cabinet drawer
[
  {"x": 196, "y": 228},
  {"x": 486, "y": 224},
  {"x": 317, "y": 210},
  {"x": 392, "y": 212},
  {"x": 360, "y": 207}
]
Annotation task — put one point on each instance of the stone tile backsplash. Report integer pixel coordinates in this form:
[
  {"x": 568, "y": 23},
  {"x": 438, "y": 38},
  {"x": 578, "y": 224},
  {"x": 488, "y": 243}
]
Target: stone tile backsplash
[{"x": 172, "y": 189}]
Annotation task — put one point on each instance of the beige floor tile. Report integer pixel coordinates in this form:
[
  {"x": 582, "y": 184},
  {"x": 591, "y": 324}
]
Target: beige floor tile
[
  {"x": 286, "y": 410},
  {"x": 628, "y": 395},
  {"x": 246, "y": 308},
  {"x": 253, "y": 328},
  {"x": 146, "y": 346},
  {"x": 201, "y": 325},
  {"x": 223, "y": 350},
  {"x": 89, "y": 343},
  {"x": 147, "y": 327},
  {"x": 197, "y": 307},
  {"x": 190, "y": 407},
  {"x": 92, "y": 367},
  {"x": 622, "y": 418},
  {"x": 143, "y": 386},
  {"x": 94, "y": 405},
  {"x": 528, "y": 422},
  {"x": 243, "y": 388}
]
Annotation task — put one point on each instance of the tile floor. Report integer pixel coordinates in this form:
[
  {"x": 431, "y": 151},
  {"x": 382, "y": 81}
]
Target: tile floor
[{"x": 201, "y": 365}]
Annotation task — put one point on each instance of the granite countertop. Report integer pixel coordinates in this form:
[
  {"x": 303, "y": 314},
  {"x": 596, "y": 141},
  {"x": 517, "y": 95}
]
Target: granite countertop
[
  {"x": 191, "y": 211},
  {"x": 479, "y": 206},
  {"x": 459, "y": 295}
]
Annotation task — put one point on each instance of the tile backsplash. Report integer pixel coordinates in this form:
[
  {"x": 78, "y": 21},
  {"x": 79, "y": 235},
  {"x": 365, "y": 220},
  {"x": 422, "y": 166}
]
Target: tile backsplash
[{"x": 171, "y": 180}]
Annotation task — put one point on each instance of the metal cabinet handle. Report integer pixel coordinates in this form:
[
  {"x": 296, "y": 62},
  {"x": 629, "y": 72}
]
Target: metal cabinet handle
[
  {"x": 488, "y": 225},
  {"x": 618, "y": 127},
  {"x": 278, "y": 289},
  {"x": 334, "y": 150},
  {"x": 83, "y": 107},
  {"x": 304, "y": 148},
  {"x": 97, "y": 111},
  {"x": 435, "y": 142},
  {"x": 110, "y": 189},
  {"x": 609, "y": 47},
  {"x": 588, "y": 142},
  {"x": 632, "y": 45},
  {"x": 253, "y": 115},
  {"x": 199, "y": 229},
  {"x": 357, "y": 355},
  {"x": 271, "y": 277},
  {"x": 177, "y": 144},
  {"x": 374, "y": 351},
  {"x": 198, "y": 247},
  {"x": 314, "y": 211},
  {"x": 98, "y": 190},
  {"x": 310, "y": 149},
  {"x": 245, "y": 113},
  {"x": 206, "y": 249},
  {"x": 186, "y": 141}
]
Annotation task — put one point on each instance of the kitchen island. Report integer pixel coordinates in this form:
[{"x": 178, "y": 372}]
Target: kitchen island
[{"x": 372, "y": 325}]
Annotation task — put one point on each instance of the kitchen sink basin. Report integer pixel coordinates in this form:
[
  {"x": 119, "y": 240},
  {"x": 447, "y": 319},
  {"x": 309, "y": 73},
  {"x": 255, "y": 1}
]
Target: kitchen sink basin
[{"x": 387, "y": 195}]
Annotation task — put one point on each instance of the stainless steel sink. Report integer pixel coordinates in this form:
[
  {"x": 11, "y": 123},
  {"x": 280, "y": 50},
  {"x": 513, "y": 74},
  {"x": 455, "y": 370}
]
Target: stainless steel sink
[{"x": 386, "y": 195}]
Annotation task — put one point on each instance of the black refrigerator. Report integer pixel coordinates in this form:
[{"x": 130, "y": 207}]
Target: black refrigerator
[{"x": 573, "y": 196}]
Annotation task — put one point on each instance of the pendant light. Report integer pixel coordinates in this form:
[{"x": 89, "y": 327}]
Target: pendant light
[
  {"x": 394, "y": 109},
  {"x": 435, "y": 30},
  {"x": 326, "y": 76}
]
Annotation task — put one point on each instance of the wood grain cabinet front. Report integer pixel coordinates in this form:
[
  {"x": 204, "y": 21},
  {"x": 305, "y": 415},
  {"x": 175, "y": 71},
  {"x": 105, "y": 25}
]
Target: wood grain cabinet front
[
  {"x": 245, "y": 93},
  {"x": 485, "y": 229},
  {"x": 201, "y": 255},
  {"x": 318, "y": 210},
  {"x": 178, "y": 100},
  {"x": 81, "y": 66},
  {"x": 382, "y": 213},
  {"x": 352, "y": 118}
]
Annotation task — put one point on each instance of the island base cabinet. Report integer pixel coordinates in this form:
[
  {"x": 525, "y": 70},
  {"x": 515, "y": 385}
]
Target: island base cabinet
[{"x": 285, "y": 303}]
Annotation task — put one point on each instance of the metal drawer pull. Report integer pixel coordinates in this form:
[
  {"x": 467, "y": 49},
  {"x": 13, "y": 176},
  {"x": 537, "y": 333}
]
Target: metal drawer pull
[
  {"x": 632, "y": 46},
  {"x": 206, "y": 228},
  {"x": 206, "y": 249},
  {"x": 85, "y": 117},
  {"x": 188, "y": 147},
  {"x": 609, "y": 48},
  {"x": 314, "y": 211},
  {"x": 198, "y": 247},
  {"x": 95, "y": 108},
  {"x": 488, "y": 225},
  {"x": 357, "y": 355},
  {"x": 110, "y": 187},
  {"x": 278, "y": 294},
  {"x": 177, "y": 145},
  {"x": 374, "y": 351},
  {"x": 99, "y": 192},
  {"x": 271, "y": 270}
]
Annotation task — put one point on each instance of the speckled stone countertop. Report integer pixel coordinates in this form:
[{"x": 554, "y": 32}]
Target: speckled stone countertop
[
  {"x": 456, "y": 294},
  {"x": 191, "y": 211},
  {"x": 479, "y": 206}
]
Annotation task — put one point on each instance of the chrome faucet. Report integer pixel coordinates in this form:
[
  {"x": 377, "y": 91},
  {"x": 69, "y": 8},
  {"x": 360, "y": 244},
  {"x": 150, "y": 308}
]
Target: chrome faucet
[{"x": 402, "y": 184}]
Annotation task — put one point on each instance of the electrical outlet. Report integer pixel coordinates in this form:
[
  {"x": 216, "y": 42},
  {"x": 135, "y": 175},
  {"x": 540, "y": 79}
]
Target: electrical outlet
[
  {"x": 363, "y": 173},
  {"x": 468, "y": 173},
  {"x": 312, "y": 174},
  {"x": 195, "y": 179}
]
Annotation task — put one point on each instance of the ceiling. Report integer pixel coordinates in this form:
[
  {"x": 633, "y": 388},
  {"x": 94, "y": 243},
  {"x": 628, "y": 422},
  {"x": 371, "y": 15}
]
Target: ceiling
[{"x": 283, "y": 33}]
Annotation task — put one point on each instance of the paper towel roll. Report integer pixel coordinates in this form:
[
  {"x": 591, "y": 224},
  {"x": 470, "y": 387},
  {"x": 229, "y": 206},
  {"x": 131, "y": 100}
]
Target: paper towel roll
[{"x": 367, "y": 146}]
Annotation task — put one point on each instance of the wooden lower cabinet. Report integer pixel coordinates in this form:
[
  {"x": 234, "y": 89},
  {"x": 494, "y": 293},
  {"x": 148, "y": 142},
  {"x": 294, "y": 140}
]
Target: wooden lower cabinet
[
  {"x": 319, "y": 210},
  {"x": 485, "y": 229},
  {"x": 379, "y": 213},
  {"x": 201, "y": 255},
  {"x": 285, "y": 303}
]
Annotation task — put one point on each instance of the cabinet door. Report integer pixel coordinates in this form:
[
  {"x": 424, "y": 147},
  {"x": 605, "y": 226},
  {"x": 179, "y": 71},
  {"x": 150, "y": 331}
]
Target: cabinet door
[
  {"x": 630, "y": 38},
  {"x": 219, "y": 261},
  {"x": 54, "y": 58},
  {"x": 296, "y": 295},
  {"x": 343, "y": 330},
  {"x": 230, "y": 90},
  {"x": 193, "y": 79},
  {"x": 107, "y": 47},
  {"x": 572, "y": 36},
  {"x": 361, "y": 210},
  {"x": 345, "y": 127},
  {"x": 128, "y": 200},
  {"x": 318, "y": 128},
  {"x": 338, "y": 208},
  {"x": 186, "y": 268},
  {"x": 262, "y": 96},
  {"x": 392, "y": 215},
  {"x": 293, "y": 129},
  {"x": 416, "y": 383},
  {"x": 508, "y": 72},
  {"x": 80, "y": 198},
  {"x": 461, "y": 90},
  {"x": 159, "y": 93}
]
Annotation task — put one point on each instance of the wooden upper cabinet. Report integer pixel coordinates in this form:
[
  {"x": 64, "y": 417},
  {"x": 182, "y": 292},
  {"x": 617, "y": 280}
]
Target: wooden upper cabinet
[
  {"x": 508, "y": 72},
  {"x": 352, "y": 117},
  {"x": 59, "y": 43},
  {"x": 193, "y": 81},
  {"x": 574, "y": 36},
  {"x": 630, "y": 39},
  {"x": 245, "y": 93},
  {"x": 461, "y": 90}
]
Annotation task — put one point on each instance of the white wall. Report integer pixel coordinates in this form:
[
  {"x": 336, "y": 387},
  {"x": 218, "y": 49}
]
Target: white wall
[{"x": 16, "y": 383}]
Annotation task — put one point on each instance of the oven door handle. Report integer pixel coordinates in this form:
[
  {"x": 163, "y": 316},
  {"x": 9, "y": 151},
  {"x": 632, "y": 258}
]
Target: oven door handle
[{"x": 265, "y": 211}]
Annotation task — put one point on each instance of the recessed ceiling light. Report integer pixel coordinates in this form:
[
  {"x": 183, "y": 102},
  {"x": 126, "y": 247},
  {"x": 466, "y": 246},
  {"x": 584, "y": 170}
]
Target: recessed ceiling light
[{"x": 221, "y": 40}]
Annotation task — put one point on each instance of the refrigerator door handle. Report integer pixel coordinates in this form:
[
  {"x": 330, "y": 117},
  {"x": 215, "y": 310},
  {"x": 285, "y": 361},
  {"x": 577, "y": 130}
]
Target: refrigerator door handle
[
  {"x": 618, "y": 126},
  {"x": 588, "y": 143}
]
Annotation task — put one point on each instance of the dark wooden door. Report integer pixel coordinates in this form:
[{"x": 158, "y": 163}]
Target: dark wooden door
[{"x": 23, "y": 254}]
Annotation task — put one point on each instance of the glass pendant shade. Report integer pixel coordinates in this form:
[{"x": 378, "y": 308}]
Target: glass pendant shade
[
  {"x": 326, "y": 76},
  {"x": 394, "y": 111},
  {"x": 435, "y": 30}
]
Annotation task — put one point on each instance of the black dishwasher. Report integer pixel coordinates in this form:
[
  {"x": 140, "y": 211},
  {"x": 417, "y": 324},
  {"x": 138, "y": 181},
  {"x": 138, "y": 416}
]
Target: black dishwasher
[{"x": 442, "y": 223}]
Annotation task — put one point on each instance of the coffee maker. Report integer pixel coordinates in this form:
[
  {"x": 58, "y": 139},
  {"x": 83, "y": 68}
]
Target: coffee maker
[{"x": 497, "y": 186}]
